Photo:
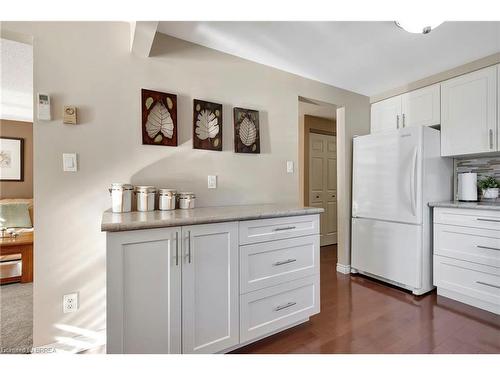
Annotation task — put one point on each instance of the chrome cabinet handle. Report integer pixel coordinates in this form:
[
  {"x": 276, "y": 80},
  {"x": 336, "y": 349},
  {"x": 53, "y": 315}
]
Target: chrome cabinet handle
[
  {"x": 493, "y": 220},
  {"x": 404, "y": 117},
  {"x": 280, "y": 263},
  {"x": 285, "y": 306},
  {"x": 189, "y": 246},
  {"x": 397, "y": 121},
  {"x": 487, "y": 247},
  {"x": 490, "y": 134},
  {"x": 284, "y": 228},
  {"x": 488, "y": 284},
  {"x": 176, "y": 248}
]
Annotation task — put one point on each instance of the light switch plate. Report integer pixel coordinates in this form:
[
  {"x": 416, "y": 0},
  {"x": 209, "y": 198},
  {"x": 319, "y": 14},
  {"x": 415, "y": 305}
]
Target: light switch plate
[
  {"x": 289, "y": 166},
  {"x": 70, "y": 163},
  {"x": 212, "y": 182}
]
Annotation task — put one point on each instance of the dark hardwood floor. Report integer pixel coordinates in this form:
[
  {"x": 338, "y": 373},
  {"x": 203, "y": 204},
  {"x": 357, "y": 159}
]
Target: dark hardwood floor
[{"x": 360, "y": 315}]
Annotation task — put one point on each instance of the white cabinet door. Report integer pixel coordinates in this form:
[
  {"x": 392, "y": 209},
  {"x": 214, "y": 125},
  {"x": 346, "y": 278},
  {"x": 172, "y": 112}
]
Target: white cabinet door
[
  {"x": 422, "y": 107},
  {"x": 468, "y": 113},
  {"x": 386, "y": 114},
  {"x": 144, "y": 291},
  {"x": 210, "y": 308}
]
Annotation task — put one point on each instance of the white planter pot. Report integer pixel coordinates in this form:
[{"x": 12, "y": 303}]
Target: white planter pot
[{"x": 491, "y": 193}]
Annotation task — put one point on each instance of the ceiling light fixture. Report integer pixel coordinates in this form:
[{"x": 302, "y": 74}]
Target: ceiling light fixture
[{"x": 417, "y": 27}]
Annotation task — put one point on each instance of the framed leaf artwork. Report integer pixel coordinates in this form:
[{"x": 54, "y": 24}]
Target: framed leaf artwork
[
  {"x": 159, "y": 118},
  {"x": 246, "y": 131},
  {"x": 207, "y": 125},
  {"x": 11, "y": 159}
]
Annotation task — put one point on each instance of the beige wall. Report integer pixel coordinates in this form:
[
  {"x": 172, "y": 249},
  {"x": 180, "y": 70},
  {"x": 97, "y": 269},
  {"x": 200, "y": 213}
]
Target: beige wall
[
  {"x": 19, "y": 189},
  {"x": 310, "y": 123},
  {"x": 89, "y": 65}
]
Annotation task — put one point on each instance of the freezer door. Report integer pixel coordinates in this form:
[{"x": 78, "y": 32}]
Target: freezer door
[
  {"x": 392, "y": 251},
  {"x": 387, "y": 176}
]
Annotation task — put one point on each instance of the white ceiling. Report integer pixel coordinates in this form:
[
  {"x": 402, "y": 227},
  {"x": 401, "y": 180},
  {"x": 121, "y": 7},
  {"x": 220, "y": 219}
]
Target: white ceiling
[
  {"x": 365, "y": 57},
  {"x": 16, "y": 83}
]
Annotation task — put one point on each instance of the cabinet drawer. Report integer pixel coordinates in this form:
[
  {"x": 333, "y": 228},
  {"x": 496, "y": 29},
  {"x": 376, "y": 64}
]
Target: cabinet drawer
[
  {"x": 485, "y": 219},
  {"x": 470, "y": 244},
  {"x": 481, "y": 283},
  {"x": 254, "y": 231},
  {"x": 268, "y": 310},
  {"x": 271, "y": 263}
]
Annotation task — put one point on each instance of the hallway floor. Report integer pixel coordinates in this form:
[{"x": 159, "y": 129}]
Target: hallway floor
[{"x": 359, "y": 315}]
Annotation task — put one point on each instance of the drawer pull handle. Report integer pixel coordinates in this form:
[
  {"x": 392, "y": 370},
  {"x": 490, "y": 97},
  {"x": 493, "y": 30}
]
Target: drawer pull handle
[
  {"x": 285, "y": 306},
  {"x": 487, "y": 247},
  {"x": 284, "y": 228},
  {"x": 488, "y": 284},
  {"x": 280, "y": 263},
  {"x": 495, "y": 221}
]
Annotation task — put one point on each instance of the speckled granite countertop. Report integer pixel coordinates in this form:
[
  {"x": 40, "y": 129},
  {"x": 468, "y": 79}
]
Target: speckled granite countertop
[
  {"x": 482, "y": 205},
  {"x": 117, "y": 222}
]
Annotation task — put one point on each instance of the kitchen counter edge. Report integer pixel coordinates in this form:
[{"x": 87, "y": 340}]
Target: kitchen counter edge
[
  {"x": 120, "y": 222},
  {"x": 493, "y": 206}
]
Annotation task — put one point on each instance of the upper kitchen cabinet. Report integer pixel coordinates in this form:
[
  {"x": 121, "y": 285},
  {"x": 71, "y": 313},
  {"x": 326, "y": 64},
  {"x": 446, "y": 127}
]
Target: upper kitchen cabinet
[
  {"x": 415, "y": 108},
  {"x": 421, "y": 107},
  {"x": 386, "y": 114},
  {"x": 468, "y": 106}
]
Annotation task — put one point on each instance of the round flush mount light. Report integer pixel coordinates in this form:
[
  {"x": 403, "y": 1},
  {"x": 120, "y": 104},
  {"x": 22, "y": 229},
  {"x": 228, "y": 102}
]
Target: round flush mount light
[{"x": 418, "y": 27}]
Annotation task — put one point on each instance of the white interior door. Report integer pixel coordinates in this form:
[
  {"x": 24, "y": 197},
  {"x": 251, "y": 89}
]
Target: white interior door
[
  {"x": 387, "y": 176},
  {"x": 210, "y": 307},
  {"x": 323, "y": 183}
]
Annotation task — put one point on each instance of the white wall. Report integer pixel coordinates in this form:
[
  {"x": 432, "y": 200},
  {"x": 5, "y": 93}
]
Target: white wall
[
  {"x": 89, "y": 65},
  {"x": 16, "y": 81}
]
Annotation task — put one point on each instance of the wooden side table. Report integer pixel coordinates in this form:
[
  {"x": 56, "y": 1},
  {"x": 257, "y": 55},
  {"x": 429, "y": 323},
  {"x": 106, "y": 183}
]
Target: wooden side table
[{"x": 22, "y": 244}]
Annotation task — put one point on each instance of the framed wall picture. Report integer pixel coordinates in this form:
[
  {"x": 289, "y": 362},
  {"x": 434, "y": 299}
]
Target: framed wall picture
[
  {"x": 159, "y": 118},
  {"x": 246, "y": 131},
  {"x": 11, "y": 159},
  {"x": 207, "y": 125}
]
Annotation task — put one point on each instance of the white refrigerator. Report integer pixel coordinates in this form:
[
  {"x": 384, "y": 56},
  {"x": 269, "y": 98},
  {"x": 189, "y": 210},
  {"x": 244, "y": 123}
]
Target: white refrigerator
[{"x": 395, "y": 175}]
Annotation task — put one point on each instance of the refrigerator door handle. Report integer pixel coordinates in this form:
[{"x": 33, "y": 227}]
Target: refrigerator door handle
[{"x": 413, "y": 180}]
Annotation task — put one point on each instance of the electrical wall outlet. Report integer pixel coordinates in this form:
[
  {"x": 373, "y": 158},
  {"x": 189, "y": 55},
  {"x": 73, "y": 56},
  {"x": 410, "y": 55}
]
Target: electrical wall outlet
[
  {"x": 289, "y": 166},
  {"x": 212, "y": 182},
  {"x": 70, "y": 303}
]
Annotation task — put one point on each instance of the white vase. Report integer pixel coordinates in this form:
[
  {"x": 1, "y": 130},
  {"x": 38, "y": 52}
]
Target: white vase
[{"x": 491, "y": 193}]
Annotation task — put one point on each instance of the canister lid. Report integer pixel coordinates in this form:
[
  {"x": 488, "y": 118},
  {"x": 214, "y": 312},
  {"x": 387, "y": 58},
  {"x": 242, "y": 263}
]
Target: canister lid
[
  {"x": 145, "y": 189},
  {"x": 120, "y": 186},
  {"x": 168, "y": 192},
  {"x": 186, "y": 194}
]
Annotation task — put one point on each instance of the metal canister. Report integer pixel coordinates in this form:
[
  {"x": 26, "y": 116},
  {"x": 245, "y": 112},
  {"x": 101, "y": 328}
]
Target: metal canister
[
  {"x": 186, "y": 200},
  {"x": 121, "y": 197},
  {"x": 145, "y": 198},
  {"x": 167, "y": 199}
]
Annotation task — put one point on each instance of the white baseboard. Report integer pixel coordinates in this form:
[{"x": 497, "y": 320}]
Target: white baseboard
[{"x": 342, "y": 268}]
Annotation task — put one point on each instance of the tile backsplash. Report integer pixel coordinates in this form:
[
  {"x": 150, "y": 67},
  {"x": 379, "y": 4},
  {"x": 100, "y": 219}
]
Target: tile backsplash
[{"x": 489, "y": 166}]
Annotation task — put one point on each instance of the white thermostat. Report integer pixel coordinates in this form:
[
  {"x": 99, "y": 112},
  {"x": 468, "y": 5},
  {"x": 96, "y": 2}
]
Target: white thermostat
[{"x": 44, "y": 107}]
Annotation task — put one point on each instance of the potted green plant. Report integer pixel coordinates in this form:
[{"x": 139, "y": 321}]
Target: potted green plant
[{"x": 489, "y": 187}]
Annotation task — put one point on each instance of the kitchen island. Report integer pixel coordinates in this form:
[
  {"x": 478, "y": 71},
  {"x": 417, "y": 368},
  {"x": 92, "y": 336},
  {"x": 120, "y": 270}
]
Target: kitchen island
[{"x": 209, "y": 280}]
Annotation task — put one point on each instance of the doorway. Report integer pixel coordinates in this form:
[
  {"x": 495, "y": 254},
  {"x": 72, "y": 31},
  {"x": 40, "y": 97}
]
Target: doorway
[
  {"x": 318, "y": 163},
  {"x": 16, "y": 197}
]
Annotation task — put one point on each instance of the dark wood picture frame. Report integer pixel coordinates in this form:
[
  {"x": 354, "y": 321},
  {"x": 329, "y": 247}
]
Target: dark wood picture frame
[
  {"x": 246, "y": 131},
  {"x": 159, "y": 118},
  {"x": 207, "y": 125},
  {"x": 21, "y": 156}
]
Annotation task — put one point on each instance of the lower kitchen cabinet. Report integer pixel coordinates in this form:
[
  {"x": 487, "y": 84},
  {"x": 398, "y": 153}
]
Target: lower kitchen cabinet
[
  {"x": 210, "y": 293},
  {"x": 179, "y": 290},
  {"x": 144, "y": 291}
]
